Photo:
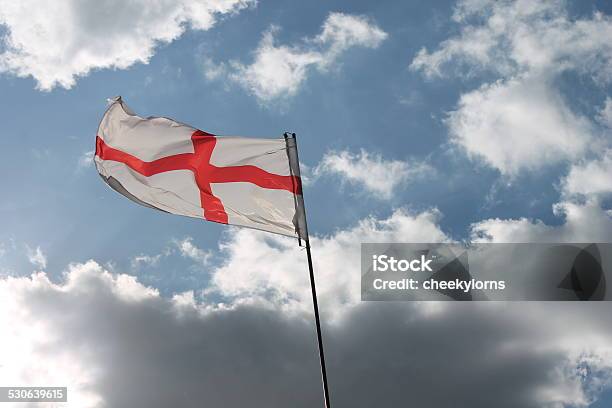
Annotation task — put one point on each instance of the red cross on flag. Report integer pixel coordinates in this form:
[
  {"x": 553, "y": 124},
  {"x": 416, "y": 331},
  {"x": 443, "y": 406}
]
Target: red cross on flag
[{"x": 167, "y": 165}]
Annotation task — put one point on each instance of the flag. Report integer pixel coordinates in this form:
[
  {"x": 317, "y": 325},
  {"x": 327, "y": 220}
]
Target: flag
[{"x": 170, "y": 166}]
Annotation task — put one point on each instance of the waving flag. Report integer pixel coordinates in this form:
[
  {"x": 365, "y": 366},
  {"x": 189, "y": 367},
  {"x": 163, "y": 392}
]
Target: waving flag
[
  {"x": 163, "y": 164},
  {"x": 173, "y": 167}
]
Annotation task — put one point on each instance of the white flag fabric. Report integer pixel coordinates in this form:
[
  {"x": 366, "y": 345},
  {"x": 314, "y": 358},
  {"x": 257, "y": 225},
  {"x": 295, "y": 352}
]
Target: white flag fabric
[{"x": 163, "y": 164}]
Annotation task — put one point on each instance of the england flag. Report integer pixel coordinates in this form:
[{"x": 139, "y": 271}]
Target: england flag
[{"x": 164, "y": 164}]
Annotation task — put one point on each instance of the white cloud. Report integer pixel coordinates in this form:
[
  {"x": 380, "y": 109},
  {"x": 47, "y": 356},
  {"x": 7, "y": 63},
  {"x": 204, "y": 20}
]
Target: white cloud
[
  {"x": 518, "y": 124},
  {"x": 36, "y": 257},
  {"x": 582, "y": 222},
  {"x": 263, "y": 266},
  {"x": 280, "y": 70},
  {"x": 521, "y": 122},
  {"x": 189, "y": 250},
  {"x": 514, "y": 37},
  {"x": 184, "y": 247},
  {"x": 213, "y": 71},
  {"x": 343, "y": 31},
  {"x": 592, "y": 177},
  {"x": 378, "y": 176},
  {"x": 56, "y": 42},
  {"x": 147, "y": 260},
  {"x": 276, "y": 71}
]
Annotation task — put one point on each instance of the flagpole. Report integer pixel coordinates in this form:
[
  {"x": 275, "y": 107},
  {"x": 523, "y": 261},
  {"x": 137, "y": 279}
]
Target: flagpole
[
  {"x": 315, "y": 305},
  {"x": 313, "y": 287}
]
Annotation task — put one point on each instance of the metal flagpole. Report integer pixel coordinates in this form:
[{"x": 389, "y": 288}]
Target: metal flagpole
[
  {"x": 318, "y": 324},
  {"x": 313, "y": 288}
]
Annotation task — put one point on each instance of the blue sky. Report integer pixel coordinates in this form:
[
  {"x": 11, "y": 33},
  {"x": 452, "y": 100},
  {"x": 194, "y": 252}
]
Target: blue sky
[
  {"x": 375, "y": 105},
  {"x": 370, "y": 101}
]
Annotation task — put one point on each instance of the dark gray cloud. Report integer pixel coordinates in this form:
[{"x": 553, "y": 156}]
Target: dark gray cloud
[{"x": 116, "y": 343}]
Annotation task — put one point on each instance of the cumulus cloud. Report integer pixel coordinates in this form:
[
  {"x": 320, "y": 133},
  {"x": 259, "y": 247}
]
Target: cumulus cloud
[
  {"x": 248, "y": 274},
  {"x": 115, "y": 342},
  {"x": 521, "y": 121},
  {"x": 36, "y": 257},
  {"x": 581, "y": 222},
  {"x": 517, "y": 125},
  {"x": 280, "y": 70},
  {"x": 514, "y": 37},
  {"x": 372, "y": 172},
  {"x": 55, "y": 43},
  {"x": 591, "y": 177}
]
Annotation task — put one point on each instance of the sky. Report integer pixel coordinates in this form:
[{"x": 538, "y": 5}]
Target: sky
[{"x": 468, "y": 120}]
